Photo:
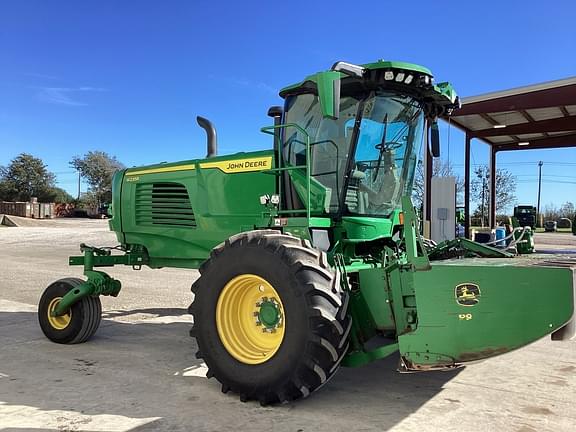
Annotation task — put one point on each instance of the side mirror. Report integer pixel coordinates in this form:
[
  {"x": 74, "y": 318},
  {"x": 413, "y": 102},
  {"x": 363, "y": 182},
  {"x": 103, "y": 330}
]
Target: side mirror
[
  {"x": 434, "y": 139},
  {"x": 328, "y": 85}
]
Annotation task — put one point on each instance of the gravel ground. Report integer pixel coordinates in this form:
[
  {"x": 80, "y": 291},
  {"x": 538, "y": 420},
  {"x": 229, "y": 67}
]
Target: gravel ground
[{"x": 139, "y": 372}]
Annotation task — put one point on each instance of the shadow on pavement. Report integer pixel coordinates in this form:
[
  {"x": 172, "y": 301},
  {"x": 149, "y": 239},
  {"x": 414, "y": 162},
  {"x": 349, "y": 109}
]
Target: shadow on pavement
[
  {"x": 143, "y": 376},
  {"x": 160, "y": 312}
]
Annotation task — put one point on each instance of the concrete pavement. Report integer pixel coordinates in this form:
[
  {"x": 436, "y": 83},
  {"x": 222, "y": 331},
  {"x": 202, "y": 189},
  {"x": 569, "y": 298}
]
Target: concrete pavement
[{"x": 139, "y": 372}]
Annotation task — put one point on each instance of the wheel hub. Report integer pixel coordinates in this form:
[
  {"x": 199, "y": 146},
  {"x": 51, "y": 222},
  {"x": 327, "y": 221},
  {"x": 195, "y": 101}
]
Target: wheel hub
[
  {"x": 269, "y": 315},
  {"x": 58, "y": 322}
]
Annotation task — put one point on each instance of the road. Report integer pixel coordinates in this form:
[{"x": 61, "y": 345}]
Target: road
[
  {"x": 555, "y": 241},
  {"x": 139, "y": 372}
]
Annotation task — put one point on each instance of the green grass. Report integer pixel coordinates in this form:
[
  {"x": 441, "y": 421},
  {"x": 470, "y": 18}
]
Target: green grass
[{"x": 558, "y": 230}]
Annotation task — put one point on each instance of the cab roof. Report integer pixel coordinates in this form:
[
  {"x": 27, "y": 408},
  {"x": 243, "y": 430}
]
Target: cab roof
[{"x": 379, "y": 64}]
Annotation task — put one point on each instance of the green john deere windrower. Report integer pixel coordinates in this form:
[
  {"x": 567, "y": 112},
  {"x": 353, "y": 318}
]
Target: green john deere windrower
[{"x": 308, "y": 253}]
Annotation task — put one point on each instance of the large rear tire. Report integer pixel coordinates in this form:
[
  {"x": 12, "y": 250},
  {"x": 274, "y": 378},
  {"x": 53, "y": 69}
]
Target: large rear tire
[
  {"x": 76, "y": 326},
  {"x": 269, "y": 317}
]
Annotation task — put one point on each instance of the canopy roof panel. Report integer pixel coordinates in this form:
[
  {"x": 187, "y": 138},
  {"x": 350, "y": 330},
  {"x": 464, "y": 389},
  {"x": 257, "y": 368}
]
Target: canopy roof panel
[{"x": 537, "y": 116}]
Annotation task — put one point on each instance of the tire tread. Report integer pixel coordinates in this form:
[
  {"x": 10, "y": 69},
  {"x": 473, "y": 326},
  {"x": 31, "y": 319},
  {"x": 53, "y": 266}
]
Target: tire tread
[
  {"x": 90, "y": 309},
  {"x": 327, "y": 304}
]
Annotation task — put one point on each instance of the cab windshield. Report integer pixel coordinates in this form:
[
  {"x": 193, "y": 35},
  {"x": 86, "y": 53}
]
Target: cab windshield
[
  {"x": 387, "y": 150},
  {"x": 361, "y": 163}
]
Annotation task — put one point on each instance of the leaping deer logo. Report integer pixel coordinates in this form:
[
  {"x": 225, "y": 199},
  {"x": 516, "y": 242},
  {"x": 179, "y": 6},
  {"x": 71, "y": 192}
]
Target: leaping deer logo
[{"x": 467, "y": 294}]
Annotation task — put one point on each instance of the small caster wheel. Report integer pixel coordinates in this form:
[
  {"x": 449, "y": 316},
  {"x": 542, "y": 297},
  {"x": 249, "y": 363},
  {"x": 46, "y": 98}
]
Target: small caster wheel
[{"x": 78, "y": 324}]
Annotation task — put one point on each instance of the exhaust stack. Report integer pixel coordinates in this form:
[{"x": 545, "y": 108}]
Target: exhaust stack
[{"x": 212, "y": 143}]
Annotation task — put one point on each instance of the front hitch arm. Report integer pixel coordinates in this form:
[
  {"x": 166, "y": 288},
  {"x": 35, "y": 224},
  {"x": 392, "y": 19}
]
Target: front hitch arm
[{"x": 98, "y": 282}]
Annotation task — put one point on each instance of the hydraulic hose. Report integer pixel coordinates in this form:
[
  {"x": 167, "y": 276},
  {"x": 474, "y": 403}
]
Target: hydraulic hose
[{"x": 514, "y": 242}]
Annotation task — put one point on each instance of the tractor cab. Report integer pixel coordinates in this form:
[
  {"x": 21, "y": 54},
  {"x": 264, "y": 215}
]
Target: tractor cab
[{"x": 358, "y": 133}]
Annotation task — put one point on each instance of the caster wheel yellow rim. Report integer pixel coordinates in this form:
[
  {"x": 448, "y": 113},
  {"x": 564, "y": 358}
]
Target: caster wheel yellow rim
[{"x": 58, "y": 322}]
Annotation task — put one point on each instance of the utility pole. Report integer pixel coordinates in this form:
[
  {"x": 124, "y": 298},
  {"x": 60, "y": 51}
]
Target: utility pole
[
  {"x": 539, "y": 191},
  {"x": 483, "y": 196},
  {"x": 483, "y": 175},
  {"x": 79, "y": 178}
]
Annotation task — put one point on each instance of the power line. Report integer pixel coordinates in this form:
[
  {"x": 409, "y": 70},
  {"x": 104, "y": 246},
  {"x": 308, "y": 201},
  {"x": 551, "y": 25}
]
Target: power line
[
  {"x": 544, "y": 175},
  {"x": 568, "y": 164},
  {"x": 536, "y": 163},
  {"x": 525, "y": 181}
]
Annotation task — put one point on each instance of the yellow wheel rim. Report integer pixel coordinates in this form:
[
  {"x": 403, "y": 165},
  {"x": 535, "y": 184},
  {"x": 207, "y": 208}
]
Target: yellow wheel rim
[
  {"x": 58, "y": 322},
  {"x": 250, "y": 319}
]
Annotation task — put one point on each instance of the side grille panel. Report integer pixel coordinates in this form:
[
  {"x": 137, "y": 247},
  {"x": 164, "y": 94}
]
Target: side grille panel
[{"x": 164, "y": 204}]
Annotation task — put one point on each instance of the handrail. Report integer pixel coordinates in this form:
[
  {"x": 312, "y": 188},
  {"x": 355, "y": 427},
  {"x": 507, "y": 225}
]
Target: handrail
[{"x": 270, "y": 131}]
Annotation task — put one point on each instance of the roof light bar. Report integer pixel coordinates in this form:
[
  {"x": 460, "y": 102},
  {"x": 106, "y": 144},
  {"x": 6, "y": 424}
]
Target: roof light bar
[{"x": 348, "y": 69}]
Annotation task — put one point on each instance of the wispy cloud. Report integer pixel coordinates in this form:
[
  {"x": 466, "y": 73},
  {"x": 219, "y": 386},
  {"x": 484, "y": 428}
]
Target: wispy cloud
[
  {"x": 66, "y": 95},
  {"x": 243, "y": 82},
  {"x": 259, "y": 85},
  {"x": 40, "y": 75}
]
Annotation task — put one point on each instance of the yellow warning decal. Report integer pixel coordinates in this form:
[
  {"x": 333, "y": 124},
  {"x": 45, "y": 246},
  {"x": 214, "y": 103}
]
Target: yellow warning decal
[
  {"x": 227, "y": 166},
  {"x": 162, "y": 169}
]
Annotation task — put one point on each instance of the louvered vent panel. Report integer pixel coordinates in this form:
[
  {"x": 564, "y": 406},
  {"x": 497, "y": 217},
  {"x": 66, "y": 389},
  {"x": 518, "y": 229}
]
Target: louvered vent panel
[{"x": 164, "y": 204}]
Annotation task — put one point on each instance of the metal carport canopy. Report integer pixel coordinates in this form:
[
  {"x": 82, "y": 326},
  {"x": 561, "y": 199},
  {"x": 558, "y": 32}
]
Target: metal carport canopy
[{"x": 539, "y": 116}]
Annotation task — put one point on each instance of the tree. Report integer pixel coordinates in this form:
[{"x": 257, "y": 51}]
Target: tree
[
  {"x": 97, "y": 168},
  {"x": 59, "y": 195},
  {"x": 550, "y": 212},
  {"x": 440, "y": 168},
  {"x": 567, "y": 210},
  {"x": 505, "y": 191},
  {"x": 89, "y": 200},
  {"x": 25, "y": 177}
]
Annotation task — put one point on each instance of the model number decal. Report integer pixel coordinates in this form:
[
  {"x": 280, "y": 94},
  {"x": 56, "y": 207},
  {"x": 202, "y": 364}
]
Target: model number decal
[{"x": 465, "y": 317}]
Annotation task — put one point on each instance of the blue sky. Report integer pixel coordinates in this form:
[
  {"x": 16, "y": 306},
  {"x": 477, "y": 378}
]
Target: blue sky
[{"x": 128, "y": 77}]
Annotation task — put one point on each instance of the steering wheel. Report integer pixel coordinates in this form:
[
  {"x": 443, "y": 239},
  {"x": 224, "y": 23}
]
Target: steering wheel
[
  {"x": 387, "y": 146},
  {"x": 383, "y": 147}
]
